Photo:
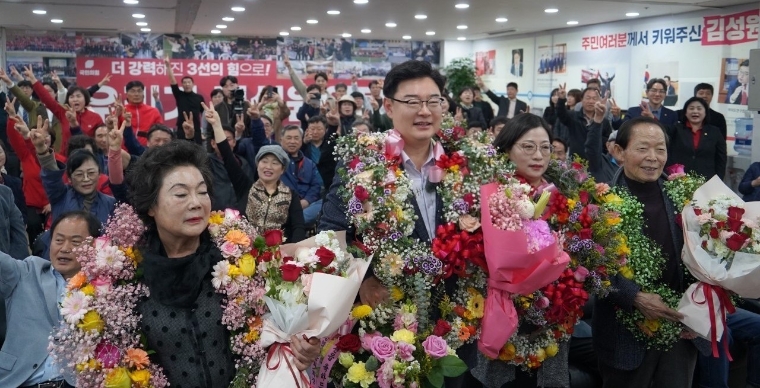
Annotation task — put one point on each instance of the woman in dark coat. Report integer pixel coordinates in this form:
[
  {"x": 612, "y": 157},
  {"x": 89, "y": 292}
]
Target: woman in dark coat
[{"x": 697, "y": 145}]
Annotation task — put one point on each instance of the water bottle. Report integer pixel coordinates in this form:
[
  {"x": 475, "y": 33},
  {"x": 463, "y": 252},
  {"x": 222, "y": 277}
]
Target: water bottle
[{"x": 743, "y": 135}]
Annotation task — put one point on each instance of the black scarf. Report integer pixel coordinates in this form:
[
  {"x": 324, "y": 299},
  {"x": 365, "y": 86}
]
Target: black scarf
[{"x": 177, "y": 282}]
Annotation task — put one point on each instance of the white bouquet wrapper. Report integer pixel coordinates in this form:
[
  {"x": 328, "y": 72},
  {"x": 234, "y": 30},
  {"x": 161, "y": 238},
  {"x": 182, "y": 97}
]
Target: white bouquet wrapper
[
  {"x": 743, "y": 277},
  {"x": 329, "y": 305}
]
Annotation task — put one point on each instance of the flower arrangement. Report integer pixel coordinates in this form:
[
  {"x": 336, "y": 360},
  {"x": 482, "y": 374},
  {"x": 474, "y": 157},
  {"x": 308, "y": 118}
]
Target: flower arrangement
[
  {"x": 680, "y": 186},
  {"x": 579, "y": 210},
  {"x": 721, "y": 251},
  {"x": 310, "y": 288},
  {"x": 235, "y": 278},
  {"x": 644, "y": 266},
  {"x": 390, "y": 351},
  {"x": 99, "y": 336}
]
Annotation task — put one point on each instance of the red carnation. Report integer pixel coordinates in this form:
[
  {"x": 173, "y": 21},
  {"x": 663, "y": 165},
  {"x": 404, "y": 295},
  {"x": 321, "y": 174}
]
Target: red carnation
[
  {"x": 290, "y": 272},
  {"x": 441, "y": 328},
  {"x": 469, "y": 198},
  {"x": 273, "y": 237},
  {"x": 349, "y": 343},
  {"x": 325, "y": 255},
  {"x": 354, "y": 162},
  {"x": 586, "y": 234},
  {"x": 361, "y": 193}
]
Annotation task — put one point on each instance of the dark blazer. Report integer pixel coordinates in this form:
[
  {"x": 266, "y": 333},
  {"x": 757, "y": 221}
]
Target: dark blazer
[
  {"x": 12, "y": 232},
  {"x": 667, "y": 116},
  {"x": 714, "y": 118},
  {"x": 473, "y": 115},
  {"x": 577, "y": 130},
  {"x": 745, "y": 187},
  {"x": 16, "y": 185},
  {"x": 503, "y": 102},
  {"x": 600, "y": 165},
  {"x": 707, "y": 160}
]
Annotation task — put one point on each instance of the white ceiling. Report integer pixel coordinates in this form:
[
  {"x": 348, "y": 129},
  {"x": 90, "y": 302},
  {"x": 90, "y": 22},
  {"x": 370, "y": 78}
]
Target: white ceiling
[{"x": 269, "y": 17}]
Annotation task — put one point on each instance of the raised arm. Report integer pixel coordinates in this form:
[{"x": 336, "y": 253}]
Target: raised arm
[
  {"x": 297, "y": 82},
  {"x": 169, "y": 71},
  {"x": 240, "y": 181},
  {"x": 22, "y": 98}
]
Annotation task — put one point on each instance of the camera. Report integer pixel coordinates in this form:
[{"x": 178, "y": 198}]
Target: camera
[
  {"x": 238, "y": 102},
  {"x": 315, "y": 100}
]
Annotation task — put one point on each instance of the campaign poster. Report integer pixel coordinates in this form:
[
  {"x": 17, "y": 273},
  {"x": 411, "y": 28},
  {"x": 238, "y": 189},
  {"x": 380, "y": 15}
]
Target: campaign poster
[
  {"x": 485, "y": 62},
  {"x": 734, "y": 81}
]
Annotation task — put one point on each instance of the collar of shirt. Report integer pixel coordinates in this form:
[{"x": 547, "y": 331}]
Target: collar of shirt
[
  {"x": 428, "y": 163},
  {"x": 655, "y": 112}
]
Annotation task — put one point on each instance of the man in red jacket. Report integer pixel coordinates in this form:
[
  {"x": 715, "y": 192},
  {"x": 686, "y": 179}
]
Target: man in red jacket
[{"x": 143, "y": 115}]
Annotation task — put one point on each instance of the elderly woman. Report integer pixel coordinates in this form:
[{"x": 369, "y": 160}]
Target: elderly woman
[
  {"x": 527, "y": 139},
  {"x": 170, "y": 191},
  {"x": 696, "y": 144}
]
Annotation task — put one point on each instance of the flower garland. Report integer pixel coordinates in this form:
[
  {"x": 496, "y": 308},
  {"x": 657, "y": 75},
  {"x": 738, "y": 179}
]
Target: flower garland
[
  {"x": 648, "y": 260},
  {"x": 579, "y": 211},
  {"x": 100, "y": 337}
]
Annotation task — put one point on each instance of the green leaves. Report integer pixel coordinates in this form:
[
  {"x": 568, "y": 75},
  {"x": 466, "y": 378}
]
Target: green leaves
[
  {"x": 460, "y": 73},
  {"x": 449, "y": 366}
]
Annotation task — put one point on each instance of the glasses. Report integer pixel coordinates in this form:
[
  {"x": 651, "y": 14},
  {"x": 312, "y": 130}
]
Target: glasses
[
  {"x": 744, "y": 73},
  {"x": 530, "y": 148},
  {"x": 416, "y": 104},
  {"x": 80, "y": 176},
  {"x": 657, "y": 91}
]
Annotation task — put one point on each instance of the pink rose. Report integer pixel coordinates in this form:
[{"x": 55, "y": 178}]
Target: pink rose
[
  {"x": 468, "y": 223},
  {"x": 231, "y": 214},
  {"x": 675, "y": 169},
  {"x": 383, "y": 348},
  {"x": 435, "y": 347},
  {"x": 108, "y": 355},
  {"x": 368, "y": 338},
  {"x": 230, "y": 250},
  {"x": 406, "y": 351},
  {"x": 306, "y": 282},
  {"x": 580, "y": 274},
  {"x": 102, "y": 284}
]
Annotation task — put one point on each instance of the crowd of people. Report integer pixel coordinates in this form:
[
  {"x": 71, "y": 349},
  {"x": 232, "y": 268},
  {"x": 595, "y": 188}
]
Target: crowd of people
[
  {"x": 56, "y": 43},
  {"x": 64, "y": 169}
]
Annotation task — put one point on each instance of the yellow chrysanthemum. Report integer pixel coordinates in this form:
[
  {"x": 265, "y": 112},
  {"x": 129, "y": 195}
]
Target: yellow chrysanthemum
[
  {"x": 403, "y": 335},
  {"x": 358, "y": 374},
  {"x": 613, "y": 199},
  {"x": 361, "y": 311},
  {"x": 552, "y": 350},
  {"x": 88, "y": 290},
  {"x": 540, "y": 355},
  {"x": 612, "y": 221},
  {"x": 652, "y": 324},
  {"x": 626, "y": 272},
  {"x": 397, "y": 293},
  {"x": 216, "y": 218},
  {"x": 92, "y": 321},
  {"x": 623, "y": 250},
  {"x": 140, "y": 378},
  {"x": 234, "y": 271},
  {"x": 571, "y": 203},
  {"x": 252, "y": 336},
  {"x": 475, "y": 306}
]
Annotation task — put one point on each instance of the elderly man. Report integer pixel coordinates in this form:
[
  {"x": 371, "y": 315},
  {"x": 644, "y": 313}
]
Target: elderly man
[
  {"x": 33, "y": 289},
  {"x": 641, "y": 147}
]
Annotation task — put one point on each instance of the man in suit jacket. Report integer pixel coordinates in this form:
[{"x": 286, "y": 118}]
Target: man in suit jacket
[
  {"x": 412, "y": 80},
  {"x": 623, "y": 360},
  {"x": 656, "y": 89},
  {"x": 33, "y": 289},
  {"x": 12, "y": 229},
  {"x": 509, "y": 106}
]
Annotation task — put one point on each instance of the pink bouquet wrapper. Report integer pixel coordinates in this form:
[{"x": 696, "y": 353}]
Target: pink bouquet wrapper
[{"x": 512, "y": 270}]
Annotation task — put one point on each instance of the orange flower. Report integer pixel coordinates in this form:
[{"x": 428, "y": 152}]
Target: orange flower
[
  {"x": 137, "y": 358},
  {"x": 237, "y": 237},
  {"x": 254, "y": 322},
  {"x": 78, "y": 281},
  {"x": 464, "y": 333}
]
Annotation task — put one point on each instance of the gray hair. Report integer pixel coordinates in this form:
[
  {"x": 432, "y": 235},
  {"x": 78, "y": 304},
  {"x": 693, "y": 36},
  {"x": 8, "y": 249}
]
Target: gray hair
[{"x": 291, "y": 127}]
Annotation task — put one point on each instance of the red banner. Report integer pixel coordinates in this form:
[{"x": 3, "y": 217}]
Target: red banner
[
  {"x": 253, "y": 76},
  {"x": 731, "y": 29}
]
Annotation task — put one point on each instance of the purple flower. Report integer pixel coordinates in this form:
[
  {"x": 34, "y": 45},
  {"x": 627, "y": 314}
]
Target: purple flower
[
  {"x": 383, "y": 348},
  {"x": 429, "y": 264},
  {"x": 405, "y": 351},
  {"x": 435, "y": 347},
  {"x": 355, "y": 206},
  {"x": 460, "y": 206},
  {"x": 395, "y": 236}
]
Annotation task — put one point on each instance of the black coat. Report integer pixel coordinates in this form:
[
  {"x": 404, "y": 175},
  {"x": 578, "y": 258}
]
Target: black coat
[
  {"x": 503, "y": 102},
  {"x": 708, "y": 159},
  {"x": 577, "y": 129}
]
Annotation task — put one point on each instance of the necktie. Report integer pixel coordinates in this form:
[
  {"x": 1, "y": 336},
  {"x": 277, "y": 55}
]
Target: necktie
[
  {"x": 744, "y": 97},
  {"x": 25, "y": 116}
]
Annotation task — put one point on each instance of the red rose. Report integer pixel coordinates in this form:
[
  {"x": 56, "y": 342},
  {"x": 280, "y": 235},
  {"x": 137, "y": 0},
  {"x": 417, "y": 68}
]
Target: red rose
[
  {"x": 273, "y": 237},
  {"x": 266, "y": 257},
  {"x": 675, "y": 169},
  {"x": 736, "y": 242},
  {"x": 354, "y": 162},
  {"x": 586, "y": 233},
  {"x": 469, "y": 198},
  {"x": 441, "y": 328},
  {"x": 361, "y": 193},
  {"x": 349, "y": 343},
  {"x": 577, "y": 166},
  {"x": 290, "y": 272},
  {"x": 697, "y": 211},
  {"x": 583, "y": 197},
  {"x": 735, "y": 213},
  {"x": 325, "y": 255},
  {"x": 735, "y": 225},
  {"x": 287, "y": 259},
  {"x": 714, "y": 233}
]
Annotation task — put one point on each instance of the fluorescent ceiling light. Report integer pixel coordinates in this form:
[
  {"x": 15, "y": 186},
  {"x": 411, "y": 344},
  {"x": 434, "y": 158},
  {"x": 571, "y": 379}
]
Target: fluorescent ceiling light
[
  {"x": 406, "y": 37},
  {"x": 222, "y": 26},
  {"x": 141, "y": 24},
  {"x": 216, "y": 32},
  {"x": 551, "y": 10},
  {"x": 461, "y": 27},
  {"x": 56, "y": 21},
  {"x": 462, "y": 6},
  {"x": 132, "y": 2},
  {"x": 238, "y": 9},
  {"x": 284, "y": 33},
  {"x": 431, "y": 33},
  {"x": 390, "y": 24},
  {"x": 39, "y": 12},
  {"x": 346, "y": 35},
  {"x": 366, "y": 31},
  {"x": 572, "y": 22},
  {"x": 333, "y": 12},
  {"x": 501, "y": 20},
  {"x": 312, "y": 21},
  {"x": 145, "y": 29},
  {"x": 295, "y": 28},
  {"x": 138, "y": 16},
  {"x": 361, "y": 1},
  {"x": 420, "y": 17},
  {"x": 632, "y": 14},
  {"x": 461, "y": 38},
  {"x": 228, "y": 19}
]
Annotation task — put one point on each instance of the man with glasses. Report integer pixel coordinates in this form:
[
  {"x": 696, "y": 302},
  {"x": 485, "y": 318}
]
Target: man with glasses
[
  {"x": 143, "y": 115},
  {"x": 737, "y": 90},
  {"x": 413, "y": 94},
  {"x": 657, "y": 88}
]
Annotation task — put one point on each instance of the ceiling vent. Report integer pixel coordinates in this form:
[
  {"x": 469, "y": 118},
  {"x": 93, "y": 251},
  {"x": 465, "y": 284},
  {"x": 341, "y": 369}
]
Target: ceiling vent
[{"x": 502, "y": 32}]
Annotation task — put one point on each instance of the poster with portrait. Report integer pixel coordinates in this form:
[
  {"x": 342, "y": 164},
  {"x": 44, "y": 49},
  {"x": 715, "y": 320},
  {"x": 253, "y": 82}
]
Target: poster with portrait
[
  {"x": 258, "y": 48},
  {"x": 552, "y": 59},
  {"x": 734, "y": 81},
  {"x": 426, "y": 51},
  {"x": 485, "y": 62},
  {"x": 516, "y": 67},
  {"x": 605, "y": 75}
]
